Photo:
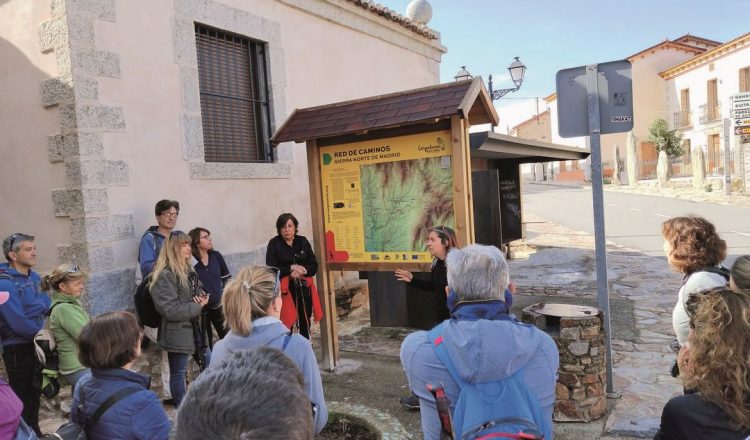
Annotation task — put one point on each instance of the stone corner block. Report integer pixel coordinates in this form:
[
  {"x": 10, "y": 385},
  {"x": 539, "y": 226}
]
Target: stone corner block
[
  {"x": 55, "y": 91},
  {"x": 102, "y": 9},
  {"x": 92, "y": 256},
  {"x": 100, "y": 117},
  {"x": 60, "y": 147},
  {"x": 98, "y": 62},
  {"x": 105, "y": 228},
  {"x": 51, "y": 35},
  {"x": 96, "y": 172},
  {"x": 111, "y": 290},
  {"x": 79, "y": 202}
]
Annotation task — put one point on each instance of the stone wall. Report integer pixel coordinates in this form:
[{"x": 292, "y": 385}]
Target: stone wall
[{"x": 580, "y": 390}]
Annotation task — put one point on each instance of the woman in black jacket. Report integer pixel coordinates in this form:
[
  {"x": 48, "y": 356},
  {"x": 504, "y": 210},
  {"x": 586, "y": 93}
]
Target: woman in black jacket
[
  {"x": 714, "y": 365},
  {"x": 440, "y": 240},
  {"x": 293, "y": 256}
]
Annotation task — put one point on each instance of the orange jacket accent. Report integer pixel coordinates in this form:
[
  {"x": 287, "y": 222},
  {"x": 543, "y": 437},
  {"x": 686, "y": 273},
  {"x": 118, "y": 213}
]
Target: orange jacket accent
[{"x": 289, "y": 311}]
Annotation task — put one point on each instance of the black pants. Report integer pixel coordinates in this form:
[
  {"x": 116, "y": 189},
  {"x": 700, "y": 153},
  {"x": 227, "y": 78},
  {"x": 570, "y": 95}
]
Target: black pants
[
  {"x": 25, "y": 378},
  {"x": 215, "y": 317},
  {"x": 302, "y": 298}
]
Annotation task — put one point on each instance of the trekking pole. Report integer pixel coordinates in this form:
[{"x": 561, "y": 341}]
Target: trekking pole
[{"x": 444, "y": 412}]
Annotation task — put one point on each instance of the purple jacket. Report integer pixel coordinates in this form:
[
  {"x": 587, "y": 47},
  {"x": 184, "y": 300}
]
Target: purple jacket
[{"x": 10, "y": 411}]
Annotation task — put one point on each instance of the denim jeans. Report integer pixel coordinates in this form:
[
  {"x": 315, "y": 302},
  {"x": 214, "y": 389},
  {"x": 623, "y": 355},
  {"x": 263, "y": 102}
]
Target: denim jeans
[
  {"x": 25, "y": 378},
  {"x": 74, "y": 377},
  {"x": 177, "y": 375}
]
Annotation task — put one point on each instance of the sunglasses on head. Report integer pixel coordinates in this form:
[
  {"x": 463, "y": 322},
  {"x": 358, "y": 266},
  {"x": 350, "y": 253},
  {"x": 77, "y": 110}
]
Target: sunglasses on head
[{"x": 248, "y": 286}]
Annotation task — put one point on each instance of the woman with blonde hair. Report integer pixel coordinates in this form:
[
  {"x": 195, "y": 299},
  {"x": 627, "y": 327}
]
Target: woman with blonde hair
[
  {"x": 67, "y": 317},
  {"x": 716, "y": 366},
  {"x": 179, "y": 299},
  {"x": 252, "y": 309}
]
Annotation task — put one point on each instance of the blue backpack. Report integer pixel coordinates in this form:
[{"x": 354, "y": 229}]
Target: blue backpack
[{"x": 500, "y": 409}]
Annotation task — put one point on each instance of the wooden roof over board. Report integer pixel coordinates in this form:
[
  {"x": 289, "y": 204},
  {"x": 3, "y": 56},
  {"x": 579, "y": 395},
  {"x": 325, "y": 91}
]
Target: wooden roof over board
[{"x": 468, "y": 99}]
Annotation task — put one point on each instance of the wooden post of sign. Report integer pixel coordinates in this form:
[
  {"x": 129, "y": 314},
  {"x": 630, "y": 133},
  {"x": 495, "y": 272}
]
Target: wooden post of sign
[
  {"x": 461, "y": 182},
  {"x": 467, "y": 152},
  {"x": 328, "y": 332}
]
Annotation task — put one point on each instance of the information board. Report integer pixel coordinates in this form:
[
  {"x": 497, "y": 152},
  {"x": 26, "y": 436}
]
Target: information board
[{"x": 380, "y": 197}]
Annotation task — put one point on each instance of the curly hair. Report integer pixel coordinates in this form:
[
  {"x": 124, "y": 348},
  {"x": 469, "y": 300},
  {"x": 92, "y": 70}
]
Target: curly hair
[
  {"x": 720, "y": 351},
  {"x": 695, "y": 243}
]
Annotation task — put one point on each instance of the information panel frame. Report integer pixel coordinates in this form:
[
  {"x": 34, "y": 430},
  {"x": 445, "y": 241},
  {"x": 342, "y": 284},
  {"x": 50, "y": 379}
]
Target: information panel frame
[{"x": 381, "y": 196}]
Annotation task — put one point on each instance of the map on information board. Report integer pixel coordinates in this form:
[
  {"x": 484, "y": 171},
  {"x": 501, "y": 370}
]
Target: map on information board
[{"x": 380, "y": 197}]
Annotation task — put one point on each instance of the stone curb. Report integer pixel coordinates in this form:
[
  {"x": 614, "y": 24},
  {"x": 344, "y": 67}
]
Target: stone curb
[{"x": 388, "y": 426}]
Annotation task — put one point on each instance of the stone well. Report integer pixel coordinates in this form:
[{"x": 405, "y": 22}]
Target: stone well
[{"x": 579, "y": 334}]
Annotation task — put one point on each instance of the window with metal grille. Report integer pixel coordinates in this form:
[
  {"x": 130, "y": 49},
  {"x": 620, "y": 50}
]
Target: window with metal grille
[{"x": 234, "y": 93}]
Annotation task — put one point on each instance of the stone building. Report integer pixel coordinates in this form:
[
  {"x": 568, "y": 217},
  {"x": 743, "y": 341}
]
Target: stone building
[{"x": 111, "y": 105}]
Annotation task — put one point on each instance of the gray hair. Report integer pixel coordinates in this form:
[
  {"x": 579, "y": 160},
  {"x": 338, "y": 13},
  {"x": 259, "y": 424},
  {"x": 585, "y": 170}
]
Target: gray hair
[
  {"x": 12, "y": 243},
  {"x": 477, "y": 273}
]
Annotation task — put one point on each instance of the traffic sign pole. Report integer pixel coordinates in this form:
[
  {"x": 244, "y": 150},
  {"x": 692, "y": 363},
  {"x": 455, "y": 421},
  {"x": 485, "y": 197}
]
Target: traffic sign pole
[
  {"x": 602, "y": 284},
  {"x": 727, "y": 157}
]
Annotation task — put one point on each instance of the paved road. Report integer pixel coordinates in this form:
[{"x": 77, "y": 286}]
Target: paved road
[{"x": 634, "y": 220}]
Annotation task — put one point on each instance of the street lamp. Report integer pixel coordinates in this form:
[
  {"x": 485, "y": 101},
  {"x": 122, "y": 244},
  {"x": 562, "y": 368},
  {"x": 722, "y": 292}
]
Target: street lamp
[
  {"x": 462, "y": 74},
  {"x": 517, "y": 70}
]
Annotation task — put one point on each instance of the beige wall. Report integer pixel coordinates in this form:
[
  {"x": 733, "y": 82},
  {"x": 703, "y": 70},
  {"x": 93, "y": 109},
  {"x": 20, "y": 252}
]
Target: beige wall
[
  {"x": 321, "y": 51},
  {"x": 26, "y": 175},
  {"x": 324, "y": 62}
]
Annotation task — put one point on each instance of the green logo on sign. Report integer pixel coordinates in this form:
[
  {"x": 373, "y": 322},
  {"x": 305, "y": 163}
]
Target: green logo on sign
[{"x": 326, "y": 159}]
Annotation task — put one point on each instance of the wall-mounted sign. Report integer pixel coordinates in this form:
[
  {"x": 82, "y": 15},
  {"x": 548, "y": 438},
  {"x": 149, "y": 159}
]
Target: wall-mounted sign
[
  {"x": 741, "y": 130},
  {"x": 380, "y": 197}
]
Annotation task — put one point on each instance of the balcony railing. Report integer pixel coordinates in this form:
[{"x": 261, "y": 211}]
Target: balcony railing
[
  {"x": 682, "y": 119},
  {"x": 710, "y": 112}
]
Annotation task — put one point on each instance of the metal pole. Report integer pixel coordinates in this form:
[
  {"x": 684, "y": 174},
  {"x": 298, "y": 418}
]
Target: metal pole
[
  {"x": 727, "y": 157},
  {"x": 602, "y": 287}
]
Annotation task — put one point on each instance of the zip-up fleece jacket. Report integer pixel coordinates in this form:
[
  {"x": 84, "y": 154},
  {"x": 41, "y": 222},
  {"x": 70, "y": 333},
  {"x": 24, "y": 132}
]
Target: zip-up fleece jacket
[
  {"x": 270, "y": 332},
  {"x": 66, "y": 321},
  {"x": 22, "y": 316}
]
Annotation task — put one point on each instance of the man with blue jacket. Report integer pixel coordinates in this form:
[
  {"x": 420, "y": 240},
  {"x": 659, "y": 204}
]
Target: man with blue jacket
[
  {"x": 483, "y": 342},
  {"x": 166, "y": 212},
  {"x": 21, "y": 317}
]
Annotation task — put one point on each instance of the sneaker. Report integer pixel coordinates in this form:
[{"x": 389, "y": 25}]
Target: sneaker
[{"x": 411, "y": 402}]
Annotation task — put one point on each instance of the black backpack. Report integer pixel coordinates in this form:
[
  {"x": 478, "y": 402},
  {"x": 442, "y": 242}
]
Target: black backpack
[{"x": 144, "y": 305}]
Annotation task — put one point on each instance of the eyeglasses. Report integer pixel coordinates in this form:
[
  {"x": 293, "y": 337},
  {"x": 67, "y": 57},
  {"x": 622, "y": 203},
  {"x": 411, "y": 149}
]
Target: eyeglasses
[
  {"x": 73, "y": 268},
  {"x": 170, "y": 214},
  {"x": 207, "y": 237}
]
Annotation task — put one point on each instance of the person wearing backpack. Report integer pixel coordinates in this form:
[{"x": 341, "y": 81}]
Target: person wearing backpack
[
  {"x": 179, "y": 299},
  {"x": 109, "y": 344},
  {"x": 694, "y": 249},
  {"x": 490, "y": 366},
  {"x": 21, "y": 317},
  {"x": 166, "y": 213},
  {"x": 67, "y": 317}
]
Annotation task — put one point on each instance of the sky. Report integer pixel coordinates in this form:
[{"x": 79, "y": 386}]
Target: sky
[{"x": 550, "y": 35}]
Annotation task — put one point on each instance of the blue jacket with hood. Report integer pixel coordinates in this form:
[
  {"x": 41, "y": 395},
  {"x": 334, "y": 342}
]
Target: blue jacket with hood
[
  {"x": 482, "y": 351},
  {"x": 22, "y": 316},
  {"x": 138, "y": 416},
  {"x": 270, "y": 332},
  {"x": 148, "y": 250}
]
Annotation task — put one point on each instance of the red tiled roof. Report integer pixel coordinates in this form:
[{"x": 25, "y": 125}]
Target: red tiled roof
[
  {"x": 469, "y": 99},
  {"x": 667, "y": 44},
  {"x": 707, "y": 56},
  {"x": 394, "y": 16}
]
